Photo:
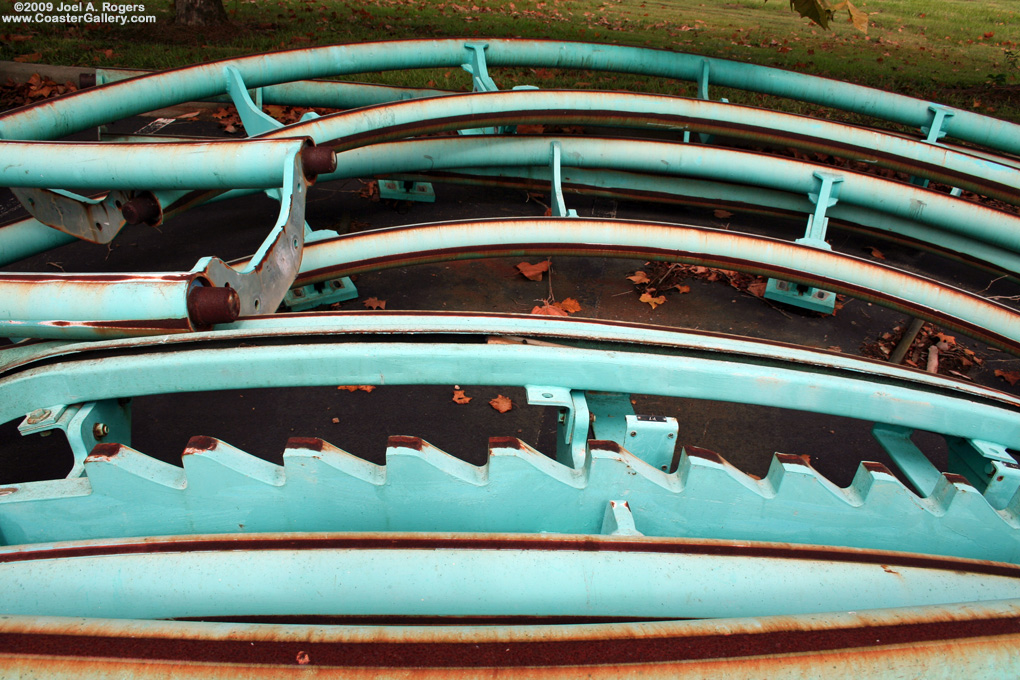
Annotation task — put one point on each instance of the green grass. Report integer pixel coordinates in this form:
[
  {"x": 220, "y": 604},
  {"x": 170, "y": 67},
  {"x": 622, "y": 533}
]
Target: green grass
[{"x": 953, "y": 51}]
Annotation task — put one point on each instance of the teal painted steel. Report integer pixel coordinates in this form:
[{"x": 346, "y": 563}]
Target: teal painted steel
[
  {"x": 425, "y": 574},
  {"x": 94, "y": 107},
  {"x": 155, "y": 166}
]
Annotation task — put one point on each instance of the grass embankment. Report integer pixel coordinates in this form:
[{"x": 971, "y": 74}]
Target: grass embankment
[{"x": 957, "y": 52}]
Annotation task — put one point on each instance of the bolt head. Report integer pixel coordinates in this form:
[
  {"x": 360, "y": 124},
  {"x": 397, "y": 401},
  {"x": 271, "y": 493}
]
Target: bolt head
[{"x": 100, "y": 430}]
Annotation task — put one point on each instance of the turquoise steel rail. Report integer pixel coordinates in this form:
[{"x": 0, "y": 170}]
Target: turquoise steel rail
[{"x": 597, "y": 547}]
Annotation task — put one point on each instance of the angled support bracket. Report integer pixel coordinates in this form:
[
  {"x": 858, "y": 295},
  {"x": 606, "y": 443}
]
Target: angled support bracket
[
  {"x": 97, "y": 220},
  {"x": 254, "y": 119},
  {"x": 988, "y": 466},
  {"x": 557, "y": 204},
  {"x": 703, "y": 94},
  {"x": 650, "y": 438},
  {"x": 910, "y": 460},
  {"x": 825, "y": 195},
  {"x": 262, "y": 285},
  {"x": 476, "y": 66},
  {"x": 933, "y": 132},
  {"x": 84, "y": 425},
  {"x": 573, "y": 421}
]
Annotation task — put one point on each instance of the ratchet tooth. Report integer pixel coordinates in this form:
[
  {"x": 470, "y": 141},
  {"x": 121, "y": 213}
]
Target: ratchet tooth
[
  {"x": 412, "y": 462},
  {"x": 509, "y": 457},
  {"x": 213, "y": 466},
  {"x": 793, "y": 477},
  {"x": 702, "y": 472},
  {"x": 875, "y": 485},
  {"x": 120, "y": 471},
  {"x": 319, "y": 463},
  {"x": 609, "y": 460}
]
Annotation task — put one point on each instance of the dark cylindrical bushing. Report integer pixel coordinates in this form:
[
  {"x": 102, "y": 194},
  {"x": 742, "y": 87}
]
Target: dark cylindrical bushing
[
  {"x": 318, "y": 160},
  {"x": 208, "y": 305},
  {"x": 142, "y": 208}
]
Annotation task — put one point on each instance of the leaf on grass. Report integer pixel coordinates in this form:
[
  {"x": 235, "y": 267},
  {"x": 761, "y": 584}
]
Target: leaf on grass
[
  {"x": 374, "y": 303},
  {"x": 653, "y": 301},
  {"x": 876, "y": 253},
  {"x": 534, "y": 271},
  {"x": 1009, "y": 376},
  {"x": 28, "y": 58},
  {"x": 722, "y": 214},
  {"x": 460, "y": 398},
  {"x": 639, "y": 277},
  {"x": 569, "y": 305},
  {"x": 356, "y": 388},
  {"x": 501, "y": 403},
  {"x": 548, "y": 310}
]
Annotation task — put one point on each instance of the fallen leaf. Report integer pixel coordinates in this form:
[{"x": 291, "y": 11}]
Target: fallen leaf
[
  {"x": 460, "y": 398},
  {"x": 682, "y": 289},
  {"x": 530, "y": 129},
  {"x": 757, "y": 288},
  {"x": 722, "y": 214},
  {"x": 1009, "y": 376},
  {"x": 501, "y": 403},
  {"x": 876, "y": 253},
  {"x": 534, "y": 271},
  {"x": 569, "y": 305},
  {"x": 28, "y": 58},
  {"x": 374, "y": 303},
  {"x": 653, "y": 301},
  {"x": 639, "y": 277},
  {"x": 357, "y": 388},
  {"x": 549, "y": 310},
  {"x": 948, "y": 339},
  {"x": 336, "y": 420},
  {"x": 191, "y": 114}
]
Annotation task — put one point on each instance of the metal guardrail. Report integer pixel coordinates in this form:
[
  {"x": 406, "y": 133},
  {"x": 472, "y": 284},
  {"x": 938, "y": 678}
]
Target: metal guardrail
[{"x": 600, "y": 546}]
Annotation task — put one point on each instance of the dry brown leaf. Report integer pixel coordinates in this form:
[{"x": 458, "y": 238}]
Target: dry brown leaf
[
  {"x": 501, "y": 403},
  {"x": 530, "y": 129},
  {"x": 876, "y": 253},
  {"x": 682, "y": 289},
  {"x": 653, "y": 301},
  {"x": 460, "y": 398},
  {"x": 569, "y": 305},
  {"x": 190, "y": 114},
  {"x": 534, "y": 271},
  {"x": 948, "y": 339},
  {"x": 757, "y": 288},
  {"x": 374, "y": 303},
  {"x": 639, "y": 277},
  {"x": 28, "y": 58},
  {"x": 549, "y": 310},
  {"x": 1009, "y": 376},
  {"x": 722, "y": 214},
  {"x": 356, "y": 388}
]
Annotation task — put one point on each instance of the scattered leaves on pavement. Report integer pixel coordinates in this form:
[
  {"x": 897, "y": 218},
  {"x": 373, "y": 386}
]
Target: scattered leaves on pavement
[{"x": 374, "y": 303}]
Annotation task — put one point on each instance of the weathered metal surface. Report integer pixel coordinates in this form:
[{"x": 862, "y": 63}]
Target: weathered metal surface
[
  {"x": 435, "y": 575},
  {"x": 922, "y": 297},
  {"x": 96, "y": 106},
  {"x": 940, "y": 642}
]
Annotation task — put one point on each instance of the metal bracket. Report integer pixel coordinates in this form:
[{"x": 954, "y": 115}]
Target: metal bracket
[
  {"x": 265, "y": 280},
  {"x": 824, "y": 197},
  {"x": 406, "y": 190},
  {"x": 557, "y": 204},
  {"x": 97, "y": 220},
  {"x": 300, "y": 298},
  {"x": 84, "y": 426},
  {"x": 480, "y": 80},
  {"x": 987, "y": 466},
  {"x": 933, "y": 132},
  {"x": 573, "y": 422},
  {"x": 650, "y": 438},
  {"x": 910, "y": 460},
  {"x": 254, "y": 119},
  {"x": 619, "y": 520}
]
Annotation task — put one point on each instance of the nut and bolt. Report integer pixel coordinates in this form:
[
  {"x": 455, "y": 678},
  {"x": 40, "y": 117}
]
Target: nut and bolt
[
  {"x": 39, "y": 415},
  {"x": 100, "y": 430}
]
